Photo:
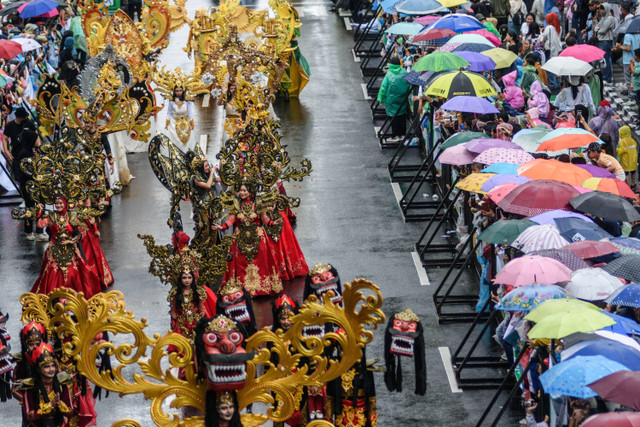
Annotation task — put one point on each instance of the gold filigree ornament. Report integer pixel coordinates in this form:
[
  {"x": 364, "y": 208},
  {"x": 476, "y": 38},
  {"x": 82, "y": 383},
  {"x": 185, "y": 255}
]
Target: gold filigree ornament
[
  {"x": 167, "y": 81},
  {"x": 79, "y": 321}
]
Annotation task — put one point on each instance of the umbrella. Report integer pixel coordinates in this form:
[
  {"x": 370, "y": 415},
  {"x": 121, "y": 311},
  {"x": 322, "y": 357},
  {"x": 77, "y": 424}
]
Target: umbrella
[
  {"x": 567, "y": 138},
  {"x": 478, "y": 61},
  {"x": 570, "y": 378},
  {"x": 612, "y": 350},
  {"x": 567, "y": 66},
  {"x": 429, "y": 19},
  {"x": 460, "y": 83},
  {"x": 620, "y": 387},
  {"x": 498, "y": 180},
  {"x": 626, "y": 245},
  {"x": 389, "y": 6},
  {"x": 613, "y": 419},
  {"x": 526, "y": 298},
  {"x": 8, "y": 9},
  {"x": 413, "y": 77},
  {"x": 559, "y": 325},
  {"x": 597, "y": 171},
  {"x": 432, "y": 34},
  {"x": 457, "y": 155},
  {"x": 440, "y": 61},
  {"x": 539, "y": 237},
  {"x": 621, "y": 330},
  {"x": 567, "y": 258},
  {"x": 500, "y": 192},
  {"x": 27, "y": 44},
  {"x": 504, "y": 232},
  {"x": 50, "y": 14},
  {"x": 586, "y": 53},
  {"x": 536, "y": 197},
  {"x": 504, "y": 155},
  {"x": 461, "y": 138},
  {"x": 479, "y": 145},
  {"x": 626, "y": 296},
  {"x": 487, "y": 35},
  {"x": 605, "y": 205},
  {"x": 529, "y": 269},
  {"x": 626, "y": 267},
  {"x": 418, "y": 7},
  {"x": 529, "y": 139},
  {"x": 470, "y": 104},
  {"x": 590, "y": 249},
  {"x": 610, "y": 185},
  {"x": 470, "y": 47},
  {"x": 404, "y": 28},
  {"x": 502, "y": 168},
  {"x": 554, "y": 307},
  {"x": 551, "y": 216},
  {"x": 577, "y": 230},
  {"x": 554, "y": 170},
  {"x": 634, "y": 25},
  {"x": 458, "y": 22},
  {"x": 474, "y": 182},
  {"x": 502, "y": 57},
  {"x": 592, "y": 284},
  {"x": 9, "y": 49},
  {"x": 451, "y": 3},
  {"x": 36, "y": 8},
  {"x": 470, "y": 38}
]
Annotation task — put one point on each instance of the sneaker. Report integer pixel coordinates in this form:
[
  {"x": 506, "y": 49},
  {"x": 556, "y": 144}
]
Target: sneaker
[
  {"x": 31, "y": 236},
  {"x": 394, "y": 139},
  {"x": 42, "y": 237}
]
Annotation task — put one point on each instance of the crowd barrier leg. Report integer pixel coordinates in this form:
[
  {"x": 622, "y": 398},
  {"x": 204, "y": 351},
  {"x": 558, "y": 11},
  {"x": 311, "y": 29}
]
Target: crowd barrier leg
[{"x": 429, "y": 246}]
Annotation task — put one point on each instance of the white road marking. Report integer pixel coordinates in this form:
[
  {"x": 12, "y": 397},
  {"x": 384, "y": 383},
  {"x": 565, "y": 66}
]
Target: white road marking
[
  {"x": 397, "y": 191},
  {"x": 445, "y": 354},
  {"x": 344, "y": 12},
  {"x": 376, "y": 129},
  {"x": 203, "y": 142},
  {"x": 365, "y": 92},
  {"x": 356, "y": 58},
  {"x": 347, "y": 23},
  {"x": 205, "y": 100},
  {"x": 422, "y": 273}
]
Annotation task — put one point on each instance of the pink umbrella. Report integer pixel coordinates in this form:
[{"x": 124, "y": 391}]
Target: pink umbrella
[
  {"x": 582, "y": 190},
  {"x": 449, "y": 47},
  {"x": 529, "y": 269},
  {"x": 498, "y": 193},
  {"x": 426, "y": 20},
  {"x": 505, "y": 155},
  {"x": 613, "y": 419},
  {"x": 585, "y": 52},
  {"x": 457, "y": 155},
  {"x": 49, "y": 14},
  {"x": 487, "y": 35}
]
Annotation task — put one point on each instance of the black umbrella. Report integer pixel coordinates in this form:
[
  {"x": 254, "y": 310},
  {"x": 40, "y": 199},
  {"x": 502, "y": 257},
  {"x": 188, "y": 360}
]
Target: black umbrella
[
  {"x": 605, "y": 205},
  {"x": 8, "y": 9},
  {"x": 627, "y": 267}
]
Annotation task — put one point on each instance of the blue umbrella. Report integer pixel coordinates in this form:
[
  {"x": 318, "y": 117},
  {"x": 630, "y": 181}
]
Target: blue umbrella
[
  {"x": 470, "y": 104},
  {"x": 389, "y": 6},
  {"x": 419, "y": 7},
  {"x": 472, "y": 47},
  {"x": 404, "y": 29},
  {"x": 627, "y": 245},
  {"x": 478, "y": 61},
  {"x": 550, "y": 216},
  {"x": 37, "y": 8},
  {"x": 496, "y": 180},
  {"x": 624, "y": 325},
  {"x": 612, "y": 350},
  {"x": 575, "y": 230},
  {"x": 571, "y": 377},
  {"x": 502, "y": 168},
  {"x": 626, "y": 296},
  {"x": 526, "y": 298},
  {"x": 413, "y": 77},
  {"x": 458, "y": 22}
]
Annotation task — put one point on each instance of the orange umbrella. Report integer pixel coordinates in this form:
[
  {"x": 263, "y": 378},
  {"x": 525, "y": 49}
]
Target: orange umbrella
[
  {"x": 567, "y": 138},
  {"x": 554, "y": 170},
  {"x": 498, "y": 193},
  {"x": 610, "y": 185}
]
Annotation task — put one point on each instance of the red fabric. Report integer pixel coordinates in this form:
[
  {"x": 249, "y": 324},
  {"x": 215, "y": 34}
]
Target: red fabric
[
  {"x": 85, "y": 406},
  {"x": 95, "y": 257},
  {"x": 210, "y": 302},
  {"x": 287, "y": 252}
]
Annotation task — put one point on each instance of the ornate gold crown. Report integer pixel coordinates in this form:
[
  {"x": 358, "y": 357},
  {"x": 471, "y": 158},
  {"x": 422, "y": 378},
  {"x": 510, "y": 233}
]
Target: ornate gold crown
[
  {"x": 226, "y": 397},
  {"x": 408, "y": 316},
  {"x": 167, "y": 81},
  {"x": 319, "y": 269},
  {"x": 230, "y": 286},
  {"x": 221, "y": 323}
]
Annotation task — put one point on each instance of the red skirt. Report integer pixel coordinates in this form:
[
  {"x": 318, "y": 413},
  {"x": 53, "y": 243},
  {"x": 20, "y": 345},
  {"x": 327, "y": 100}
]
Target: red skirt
[
  {"x": 78, "y": 276},
  {"x": 96, "y": 258},
  {"x": 287, "y": 252},
  {"x": 85, "y": 406}
]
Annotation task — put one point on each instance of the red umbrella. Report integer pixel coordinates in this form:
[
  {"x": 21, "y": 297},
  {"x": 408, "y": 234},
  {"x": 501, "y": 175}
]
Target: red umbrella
[
  {"x": 9, "y": 49},
  {"x": 536, "y": 197},
  {"x": 487, "y": 35},
  {"x": 620, "y": 387},
  {"x": 613, "y": 419},
  {"x": 591, "y": 249},
  {"x": 433, "y": 34},
  {"x": 584, "y": 52}
]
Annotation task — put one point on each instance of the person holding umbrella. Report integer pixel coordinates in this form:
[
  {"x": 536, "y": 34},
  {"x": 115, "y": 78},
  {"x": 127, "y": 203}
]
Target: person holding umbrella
[{"x": 605, "y": 161}]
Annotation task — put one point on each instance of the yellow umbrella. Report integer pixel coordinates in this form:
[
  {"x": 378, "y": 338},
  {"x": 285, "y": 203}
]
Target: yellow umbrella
[
  {"x": 474, "y": 182},
  {"x": 502, "y": 57},
  {"x": 451, "y": 3},
  {"x": 457, "y": 83}
]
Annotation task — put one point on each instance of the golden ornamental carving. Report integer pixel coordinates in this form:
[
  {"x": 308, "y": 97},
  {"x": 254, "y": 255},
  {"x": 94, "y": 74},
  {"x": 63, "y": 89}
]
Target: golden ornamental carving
[{"x": 143, "y": 365}]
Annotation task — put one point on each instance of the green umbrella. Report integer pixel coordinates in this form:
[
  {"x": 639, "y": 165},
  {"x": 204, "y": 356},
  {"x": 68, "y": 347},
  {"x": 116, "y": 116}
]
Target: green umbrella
[
  {"x": 565, "y": 323},
  {"x": 461, "y": 138},
  {"x": 561, "y": 305},
  {"x": 505, "y": 232},
  {"x": 440, "y": 61}
]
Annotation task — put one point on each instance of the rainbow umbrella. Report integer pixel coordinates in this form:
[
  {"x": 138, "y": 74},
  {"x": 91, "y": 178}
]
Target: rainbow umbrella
[{"x": 609, "y": 185}]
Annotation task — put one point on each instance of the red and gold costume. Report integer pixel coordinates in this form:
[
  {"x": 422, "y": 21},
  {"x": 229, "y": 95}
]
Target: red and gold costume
[{"x": 93, "y": 252}]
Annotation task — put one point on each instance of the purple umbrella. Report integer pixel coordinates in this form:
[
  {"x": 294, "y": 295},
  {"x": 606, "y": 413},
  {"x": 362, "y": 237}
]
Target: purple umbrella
[
  {"x": 481, "y": 144},
  {"x": 470, "y": 104},
  {"x": 550, "y": 216},
  {"x": 496, "y": 180},
  {"x": 457, "y": 156},
  {"x": 596, "y": 171},
  {"x": 478, "y": 61}
]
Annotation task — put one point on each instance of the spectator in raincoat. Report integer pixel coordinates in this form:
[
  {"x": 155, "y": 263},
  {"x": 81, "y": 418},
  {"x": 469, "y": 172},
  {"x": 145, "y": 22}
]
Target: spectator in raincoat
[
  {"x": 393, "y": 94},
  {"x": 512, "y": 93},
  {"x": 605, "y": 123},
  {"x": 529, "y": 72},
  {"x": 538, "y": 99},
  {"x": 628, "y": 154}
]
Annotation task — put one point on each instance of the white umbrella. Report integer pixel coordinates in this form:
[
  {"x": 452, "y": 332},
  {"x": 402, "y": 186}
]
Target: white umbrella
[
  {"x": 586, "y": 337},
  {"x": 27, "y": 44},
  {"x": 567, "y": 66},
  {"x": 592, "y": 284}
]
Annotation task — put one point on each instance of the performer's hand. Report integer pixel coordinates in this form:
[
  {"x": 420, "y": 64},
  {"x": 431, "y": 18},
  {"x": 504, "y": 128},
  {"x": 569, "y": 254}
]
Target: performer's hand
[
  {"x": 277, "y": 221},
  {"x": 216, "y": 227},
  {"x": 56, "y": 400},
  {"x": 97, "y": 233},
  {"x": 9, "y": 157}
]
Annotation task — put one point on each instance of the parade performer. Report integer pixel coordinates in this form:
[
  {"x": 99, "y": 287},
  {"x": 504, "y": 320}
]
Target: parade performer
[
  {"x": 180, "y": 122},
  {"x": 31, "y": 335},
  {"x": 404, "y": 338},
  {"x": 63, "y": 264},
  {"x": 235, "y": 303}
]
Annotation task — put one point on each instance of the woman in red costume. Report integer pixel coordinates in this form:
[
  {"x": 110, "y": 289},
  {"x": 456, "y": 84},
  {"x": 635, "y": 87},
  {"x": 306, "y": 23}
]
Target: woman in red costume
[
  {"x": 286, "y": 250},
  {"x": 63, "y": 265},
  {"x": 93, "y": 251}
]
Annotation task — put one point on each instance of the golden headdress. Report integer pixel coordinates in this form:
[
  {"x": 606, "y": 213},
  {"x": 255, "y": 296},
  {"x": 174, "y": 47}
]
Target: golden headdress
[{"x": 408, "y": 316}]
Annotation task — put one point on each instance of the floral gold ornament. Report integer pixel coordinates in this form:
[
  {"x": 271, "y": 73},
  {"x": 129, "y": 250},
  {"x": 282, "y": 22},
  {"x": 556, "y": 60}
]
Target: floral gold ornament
[
  {"x": 167, "y": 81},
  {"x": 81, "y": 320}
]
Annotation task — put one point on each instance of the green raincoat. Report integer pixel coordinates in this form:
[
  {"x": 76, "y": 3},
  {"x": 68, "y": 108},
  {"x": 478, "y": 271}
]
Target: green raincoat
[{"x": 394, "y": 90}]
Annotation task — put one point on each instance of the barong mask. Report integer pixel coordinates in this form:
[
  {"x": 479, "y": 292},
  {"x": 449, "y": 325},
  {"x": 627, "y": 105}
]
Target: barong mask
[
  {"x": 235, "y": 303},
  {"x": 323, "y": 278},
  {"x": 404, "y": 337}
]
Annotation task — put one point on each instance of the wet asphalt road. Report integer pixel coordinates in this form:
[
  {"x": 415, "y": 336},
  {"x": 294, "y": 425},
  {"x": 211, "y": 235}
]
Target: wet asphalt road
[{"x": 348, "y": 217}]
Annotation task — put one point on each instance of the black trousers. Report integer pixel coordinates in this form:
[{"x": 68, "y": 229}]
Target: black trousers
[{"x": 399, "y": 125}]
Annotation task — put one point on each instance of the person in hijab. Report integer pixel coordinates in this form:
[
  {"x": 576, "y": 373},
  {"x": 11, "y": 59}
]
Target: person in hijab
[
  {"x": 538, "y": 99},
  {"x": 533, "y": 117},
  {"x": 605, "y": 123},
  {"x": 512, "y": 93}
]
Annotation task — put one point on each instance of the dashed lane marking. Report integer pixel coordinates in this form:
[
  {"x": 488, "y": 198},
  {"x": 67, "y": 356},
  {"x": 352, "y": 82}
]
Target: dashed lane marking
[
  {"x": 397, "y": 191},
  {"x": 356, "y": 58},
  {"x": 422, "y": 274},
  {"x": 365, "y": 92},
  {"x": 347, "y": 23},
  {"x": 445, "y": 354}
]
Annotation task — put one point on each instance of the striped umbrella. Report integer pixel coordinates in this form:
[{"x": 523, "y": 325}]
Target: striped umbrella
[
  {"x": 460, "y": 83},
  {"x": 539, "y": 237}
]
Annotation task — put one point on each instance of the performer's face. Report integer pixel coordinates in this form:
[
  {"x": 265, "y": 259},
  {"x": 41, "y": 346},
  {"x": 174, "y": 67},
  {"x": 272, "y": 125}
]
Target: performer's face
[
  {"x": 285, "y": 321},
  {"x": 178, "y": 92},
  {"x": 243, "y": 192},
  {"x": 206, "y": 167},
  {"x": 226, "y": 410},
  {"x": 32, "y": 345},
  {"x": 59, "y": 205},
  {"x": 48, "y": 370},
  {"x": 187, "y": 279}
]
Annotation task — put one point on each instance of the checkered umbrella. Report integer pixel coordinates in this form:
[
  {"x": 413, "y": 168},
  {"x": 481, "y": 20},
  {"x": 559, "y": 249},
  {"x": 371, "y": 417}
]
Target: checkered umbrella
[
  {"x": 627, "y": 267},
  {"x": 565, "y": 256}
]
